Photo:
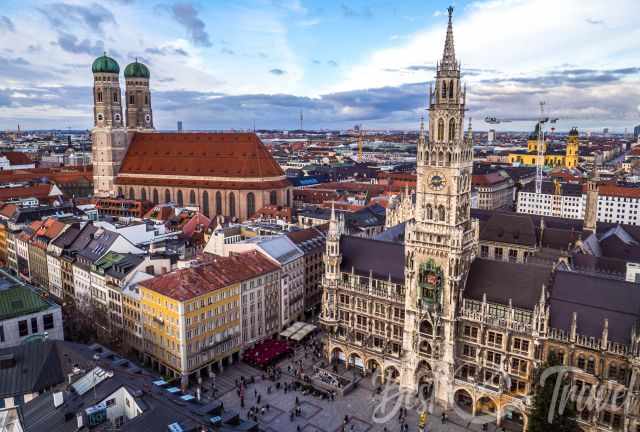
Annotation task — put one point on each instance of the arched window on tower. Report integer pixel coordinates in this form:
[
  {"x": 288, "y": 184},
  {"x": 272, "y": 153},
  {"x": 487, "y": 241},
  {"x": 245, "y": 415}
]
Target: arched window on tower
[
  {"x": 441, "y": 213},
  {"x": 441, "y": 158},
  {"x": 273, "y": 198},
  {"x": 115, "y": 96},
  {"x": 99, "y": 96},
  {"x": 120, "y": 193},
  {"x": 429, "y": 211},
  {"x": 167, "y": 195},
  {"x": 452, "y": 129},
  {"x": 205, "y": 203},
  {"x": 440, "y": 130},
  {"x": 156, "y": 200},
  {"x": 232, "y": 205},
  {"x": 444, "y": 89},
  {"x": 180, "y": 199},
  {"x": 251, "y": 204},
  {"x": 132, "y": 99},
  {"x": 451, "y": 89},
  {"x": 192, "y": 197},
  {"x": 146, "y": 99},
  {"x": 132, "y": 194},
  {"x": 143, "y": 194},
  {"x": 218, "y": 203}
]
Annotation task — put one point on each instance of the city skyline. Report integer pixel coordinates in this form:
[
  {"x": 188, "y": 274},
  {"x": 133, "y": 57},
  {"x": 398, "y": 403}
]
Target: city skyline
[{"x": 231, "y": 65}]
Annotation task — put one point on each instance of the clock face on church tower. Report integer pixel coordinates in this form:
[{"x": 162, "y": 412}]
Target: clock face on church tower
[{"x": 437, "y": 181}]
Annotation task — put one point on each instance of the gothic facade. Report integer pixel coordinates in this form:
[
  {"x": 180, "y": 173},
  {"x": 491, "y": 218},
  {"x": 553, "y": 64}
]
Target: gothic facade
[{"x": 466, "y": 309}]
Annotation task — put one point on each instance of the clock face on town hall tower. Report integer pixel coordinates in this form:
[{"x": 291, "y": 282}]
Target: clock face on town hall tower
[{"x": 437, "y": 181}]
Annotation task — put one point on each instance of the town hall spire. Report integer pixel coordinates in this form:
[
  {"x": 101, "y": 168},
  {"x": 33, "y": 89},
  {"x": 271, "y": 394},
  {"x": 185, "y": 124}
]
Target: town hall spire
[{"x": 449, "y": 55}]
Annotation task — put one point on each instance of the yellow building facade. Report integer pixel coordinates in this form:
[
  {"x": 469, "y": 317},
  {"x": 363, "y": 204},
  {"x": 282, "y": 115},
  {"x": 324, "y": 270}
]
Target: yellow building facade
[
  {"x": 189, "y": 334},
  {"x": 552, "y": 158}
]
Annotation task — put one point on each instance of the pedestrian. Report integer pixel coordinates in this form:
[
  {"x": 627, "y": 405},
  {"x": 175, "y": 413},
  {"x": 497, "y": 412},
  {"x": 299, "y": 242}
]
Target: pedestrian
[
  {"x": 262, "y": 410},
  {"x": 259, "y": 397},
  {"x": 242, "y": 402},
  {"x": 297, "y": 400},
  {"x": 444, "y": 417},
  {"x": 268, "y": 406}
]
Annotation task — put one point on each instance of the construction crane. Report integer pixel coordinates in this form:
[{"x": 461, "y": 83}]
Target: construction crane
[{"x": 540, "y": 157}]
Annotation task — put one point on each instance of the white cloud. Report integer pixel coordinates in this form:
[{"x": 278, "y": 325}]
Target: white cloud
[{"x": 513, "y": 37}]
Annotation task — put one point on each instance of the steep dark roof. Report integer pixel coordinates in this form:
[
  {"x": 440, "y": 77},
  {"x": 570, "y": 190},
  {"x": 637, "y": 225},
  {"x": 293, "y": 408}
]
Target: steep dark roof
[
  {"x": 383, "y": 259},
  {"x": 509, "y": 228},
  {"x": 594, "y": 297},
  {"x": 36, "y": 366},
  {"x": 501, "y": 281},
  {"x": 591, "y": 263}
]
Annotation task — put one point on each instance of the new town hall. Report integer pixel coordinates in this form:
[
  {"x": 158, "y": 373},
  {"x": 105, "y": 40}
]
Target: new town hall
[{"x": 481, "y": 299}]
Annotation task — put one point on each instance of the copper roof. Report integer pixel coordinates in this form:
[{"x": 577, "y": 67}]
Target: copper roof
[
  {"x": 210, "y": 275},
  {"x": 236, "y": 155}
]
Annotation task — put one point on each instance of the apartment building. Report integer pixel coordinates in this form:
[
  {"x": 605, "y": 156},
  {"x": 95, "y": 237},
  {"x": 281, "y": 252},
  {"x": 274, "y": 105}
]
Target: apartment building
[{"x": 191, "y": 317}]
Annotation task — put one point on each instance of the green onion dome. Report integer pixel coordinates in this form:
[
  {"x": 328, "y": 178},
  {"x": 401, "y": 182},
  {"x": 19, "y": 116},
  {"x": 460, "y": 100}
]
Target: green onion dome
[
  {"x": 136, "y": 70},
  {"x": 105, "y": 64}
]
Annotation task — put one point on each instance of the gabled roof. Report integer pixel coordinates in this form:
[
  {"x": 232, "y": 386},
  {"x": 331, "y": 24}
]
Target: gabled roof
[
  {"x": 197, "y": 220},
  {"x": 509, "y": 228}
]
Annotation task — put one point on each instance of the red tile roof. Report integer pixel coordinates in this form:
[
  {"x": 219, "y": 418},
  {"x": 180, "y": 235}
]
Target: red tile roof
[
  {"x": 39, "y": 191},
  {"x": 212, "y": 274},
  {"x": 235, "y": 155},
  {"x": 198, "y": 220},
  {"x": 613, "y": 190},
  {"x": 8, "y": 210},
  {"x": 488, "y": 179},
  {"x": 17, "y": 158}
]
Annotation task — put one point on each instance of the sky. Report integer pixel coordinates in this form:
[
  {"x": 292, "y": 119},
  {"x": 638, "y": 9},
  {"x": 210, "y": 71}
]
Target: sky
[{"x": 222, "y": 64}]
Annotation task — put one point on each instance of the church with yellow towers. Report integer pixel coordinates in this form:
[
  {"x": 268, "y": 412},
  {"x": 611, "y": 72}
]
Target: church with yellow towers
[{"x": 566, "y": 157}]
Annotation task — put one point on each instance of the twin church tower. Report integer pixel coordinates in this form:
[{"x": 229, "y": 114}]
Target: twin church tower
[{"x": 110, "y": 135}]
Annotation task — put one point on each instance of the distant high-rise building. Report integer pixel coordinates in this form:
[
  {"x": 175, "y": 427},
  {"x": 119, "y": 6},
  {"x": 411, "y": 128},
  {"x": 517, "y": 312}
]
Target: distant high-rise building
[
  {"x": 491, "y": 136},
  {"x": 179, "y": 125},
  {"x": 605, "y": 131},
  {"x": 636, "y": 132}
]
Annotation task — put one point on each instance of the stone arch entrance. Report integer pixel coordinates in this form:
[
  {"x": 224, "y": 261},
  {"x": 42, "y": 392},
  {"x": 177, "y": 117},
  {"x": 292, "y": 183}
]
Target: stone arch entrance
[
  {"x": 513, "y": 419},
  {"x": 356, "y": 361},
  {"x": 392, "y": 374},
  {"x": 486, "y": 406},
  {"x": 376, "y": 371},
  {"x": 337, "y": 355},
  {"x": 424, "y": 379},
  {"x": 463, "y": 400}
]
